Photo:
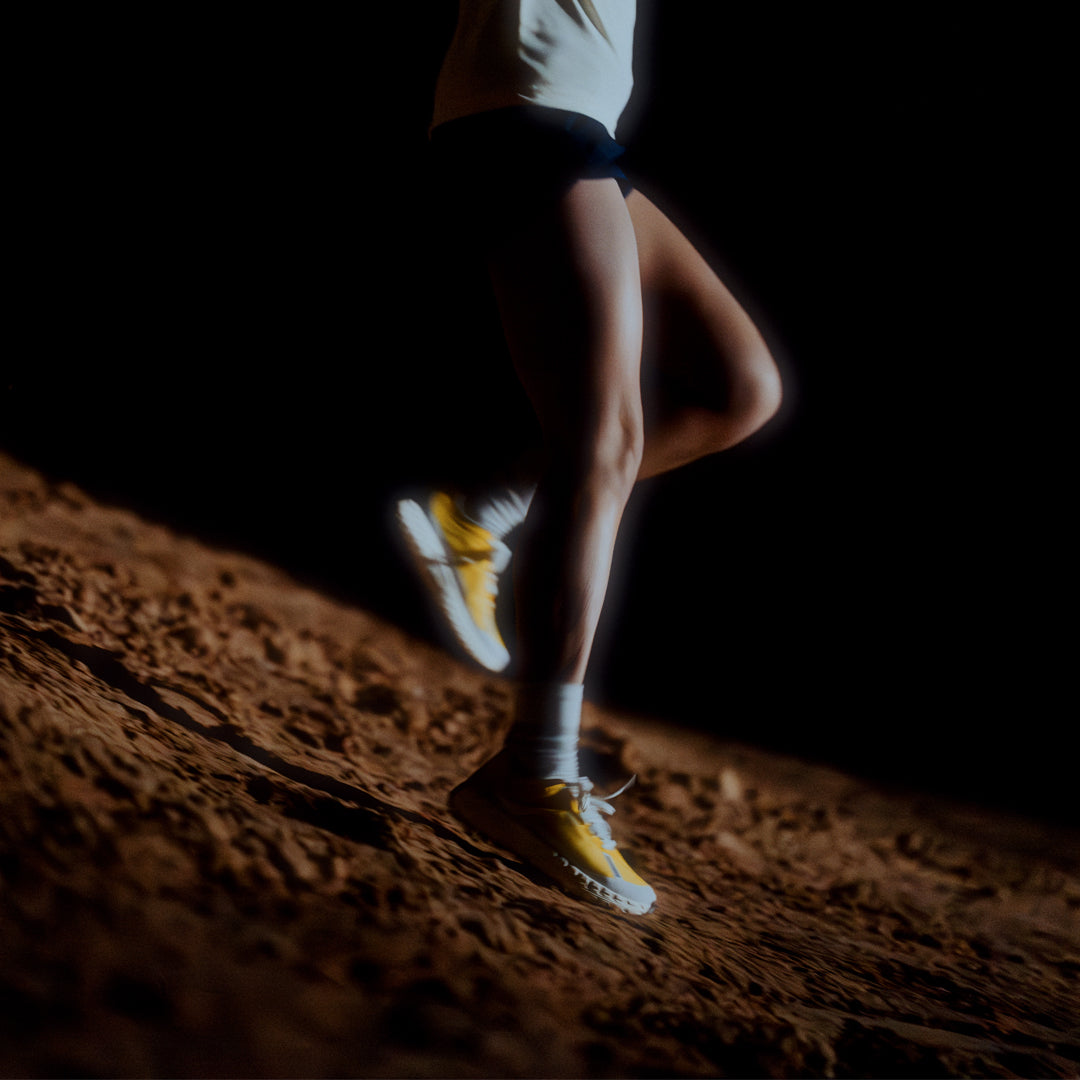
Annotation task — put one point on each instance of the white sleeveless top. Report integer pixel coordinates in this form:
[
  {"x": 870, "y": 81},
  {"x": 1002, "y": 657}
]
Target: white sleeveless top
[{"x": 566, "y": 54}]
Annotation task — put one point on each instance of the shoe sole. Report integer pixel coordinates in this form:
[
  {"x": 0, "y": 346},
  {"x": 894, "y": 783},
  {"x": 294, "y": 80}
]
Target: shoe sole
[
  {"x": 487, "y": 818},
  {"x": 429, "y": 555}
]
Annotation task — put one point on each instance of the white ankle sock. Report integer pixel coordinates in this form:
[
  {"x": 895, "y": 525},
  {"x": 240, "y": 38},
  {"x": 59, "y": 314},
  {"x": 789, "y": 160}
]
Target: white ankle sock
[
  {"x": 502, "y": 510},
  {"x": 547, "y": 726}
]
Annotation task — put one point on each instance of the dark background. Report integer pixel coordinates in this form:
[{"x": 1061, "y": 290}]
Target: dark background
[{"x": 236, "y": 312}]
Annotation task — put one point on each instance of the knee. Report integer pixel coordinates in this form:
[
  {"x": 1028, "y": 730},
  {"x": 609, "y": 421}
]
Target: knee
[
  {"x": 758, "y": 392},
  {"x": 623, "y": 446},
  {"x": 606, "y": 455}
]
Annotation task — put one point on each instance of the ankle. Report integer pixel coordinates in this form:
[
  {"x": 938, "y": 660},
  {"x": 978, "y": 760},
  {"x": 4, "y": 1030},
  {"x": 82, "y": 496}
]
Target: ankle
[{"x": 543, "y": 741}]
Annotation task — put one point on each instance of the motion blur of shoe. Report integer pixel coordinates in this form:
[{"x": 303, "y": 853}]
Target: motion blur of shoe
[
  {"x": 459, "y": 563},
  {"x": 558, "y": 827}
]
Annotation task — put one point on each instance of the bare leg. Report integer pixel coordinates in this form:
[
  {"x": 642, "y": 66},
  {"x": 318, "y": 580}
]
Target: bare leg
[
  {"x": 569, "y": 294},
  {"x": 720, "y": 381},
  {"x": 711, "y": 380},
  {"x": 577, "y": 291}
]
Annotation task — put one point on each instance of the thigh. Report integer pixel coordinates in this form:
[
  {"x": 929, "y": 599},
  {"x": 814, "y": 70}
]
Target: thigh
[
  {"x": 701, "y": 343},
  {"x": 569, "y": 294}
]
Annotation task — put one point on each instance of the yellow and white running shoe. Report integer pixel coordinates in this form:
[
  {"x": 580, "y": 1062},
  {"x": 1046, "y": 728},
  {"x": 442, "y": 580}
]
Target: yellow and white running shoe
[
  {"x": 459, "y": 563},
  {"x": 557, "y": 827}
]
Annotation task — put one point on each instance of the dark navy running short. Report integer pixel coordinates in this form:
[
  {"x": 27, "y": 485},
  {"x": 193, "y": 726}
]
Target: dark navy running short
[{"x": 496, "y": 168}]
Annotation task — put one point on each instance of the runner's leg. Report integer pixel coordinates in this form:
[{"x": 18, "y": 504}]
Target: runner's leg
[
  {"x": 717, "y": 379},
  {"x": 569, "y": 294}
]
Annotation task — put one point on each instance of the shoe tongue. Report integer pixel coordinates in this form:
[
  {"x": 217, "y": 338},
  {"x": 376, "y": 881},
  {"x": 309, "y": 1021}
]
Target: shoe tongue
[
  {"x": 553, "y": 789},
  {"x": 559, "y": 791},
  {"x": 464, "y": 535}
]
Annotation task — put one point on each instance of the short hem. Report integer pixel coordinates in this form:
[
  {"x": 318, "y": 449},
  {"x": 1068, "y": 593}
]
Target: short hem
[{"x": 494, "y": 167}]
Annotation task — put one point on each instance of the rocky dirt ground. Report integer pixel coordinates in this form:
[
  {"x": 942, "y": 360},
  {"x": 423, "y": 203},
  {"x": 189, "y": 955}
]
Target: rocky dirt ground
[{"x": 224, "y": 851}]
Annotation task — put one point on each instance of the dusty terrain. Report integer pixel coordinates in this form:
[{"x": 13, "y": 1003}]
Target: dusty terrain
[{"x": 224, "y": 851}]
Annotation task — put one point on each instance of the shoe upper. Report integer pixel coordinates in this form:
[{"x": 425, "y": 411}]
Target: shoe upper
[
  {"x": 573, "y": 817},
  {"x": 459, "y": 563},
  {"x": 569, "y": 817},
  {"x": 477, "y": 557}
]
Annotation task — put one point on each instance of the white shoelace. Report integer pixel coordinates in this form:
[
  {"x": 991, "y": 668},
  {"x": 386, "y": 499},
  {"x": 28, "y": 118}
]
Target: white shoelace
[{"x": 593, "y": 809}]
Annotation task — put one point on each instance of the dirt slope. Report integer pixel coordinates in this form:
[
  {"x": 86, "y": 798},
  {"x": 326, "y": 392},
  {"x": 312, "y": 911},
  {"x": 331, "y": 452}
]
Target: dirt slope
[{"x": 224, "y": 850}]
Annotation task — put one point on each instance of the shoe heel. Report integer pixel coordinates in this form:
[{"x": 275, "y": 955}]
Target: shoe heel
[{"x": 487, "y": 819}]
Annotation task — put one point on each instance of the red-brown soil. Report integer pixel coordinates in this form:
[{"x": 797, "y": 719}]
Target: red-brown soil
[{"x": 225, "y": 851}]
